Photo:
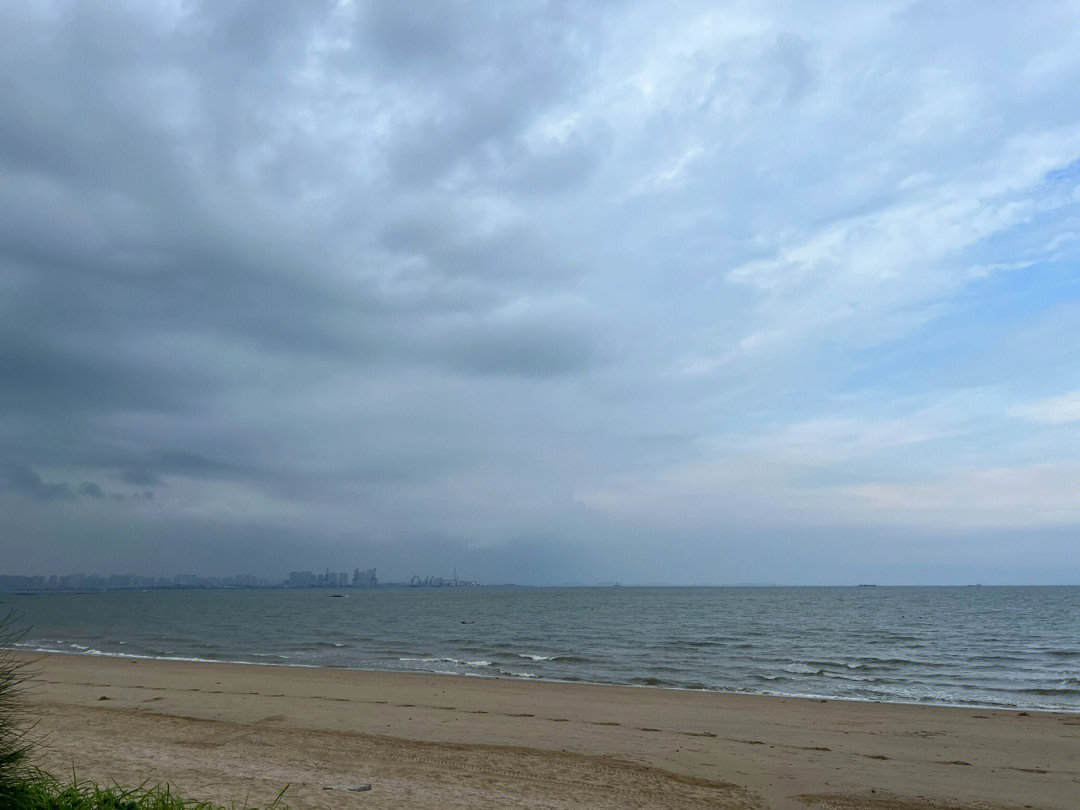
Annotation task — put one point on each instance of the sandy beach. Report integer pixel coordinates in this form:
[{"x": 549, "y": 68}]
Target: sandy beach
[{"x": 234, "y": 732}]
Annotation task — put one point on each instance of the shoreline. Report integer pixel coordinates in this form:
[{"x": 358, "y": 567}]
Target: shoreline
[
  {"x": 434, "y": 740},
  {"x": 908, "y": 648},
  {"x": 21, "y": 651}
]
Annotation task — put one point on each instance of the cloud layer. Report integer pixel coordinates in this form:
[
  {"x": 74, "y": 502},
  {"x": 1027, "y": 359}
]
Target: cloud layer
[{"x": 556, "y": 293}]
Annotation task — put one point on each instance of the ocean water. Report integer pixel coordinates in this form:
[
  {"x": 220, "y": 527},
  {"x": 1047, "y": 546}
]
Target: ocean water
[{"x": 991, "y": 646}]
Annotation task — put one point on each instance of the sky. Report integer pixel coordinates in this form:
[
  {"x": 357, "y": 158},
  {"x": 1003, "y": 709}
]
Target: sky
[{"x": 543, "y": 292}]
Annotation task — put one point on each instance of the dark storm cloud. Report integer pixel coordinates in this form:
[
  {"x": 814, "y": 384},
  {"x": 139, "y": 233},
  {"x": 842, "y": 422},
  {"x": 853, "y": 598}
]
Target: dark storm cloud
[
  {"x": 557, "y": 169},
  {"x": 21, "y": 479},
  {"x": 161, "y": 259},
  {"x": 36, "y": 378},
  {"x": 267, "y": 31},
  {"x": 90, "y": 490},
  {"x": 515, "y": 257},
  {"x": 65, "y": 115},
  {"x": 150, "y": 468},
  {"x": 411, "y": 34},
  {"x": 480, "y": 110},
  {"x": 520, "y": 349},
  {"x": 363, "y": 273}
]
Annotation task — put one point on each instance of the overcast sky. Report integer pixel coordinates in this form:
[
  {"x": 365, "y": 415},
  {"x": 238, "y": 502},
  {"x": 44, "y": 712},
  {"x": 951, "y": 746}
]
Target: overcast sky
[{"x": 546, "y": 292}]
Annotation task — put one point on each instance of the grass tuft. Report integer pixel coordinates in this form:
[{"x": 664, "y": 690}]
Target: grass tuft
[
  {"x": 40, "y": 791},
  {"x": 14, "y": 744},
  {"x": 23, "y": 787}
]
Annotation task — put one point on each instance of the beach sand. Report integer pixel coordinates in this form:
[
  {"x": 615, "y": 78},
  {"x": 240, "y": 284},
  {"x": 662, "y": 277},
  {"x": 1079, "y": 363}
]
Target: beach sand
[{"x": 234, "y": 732}]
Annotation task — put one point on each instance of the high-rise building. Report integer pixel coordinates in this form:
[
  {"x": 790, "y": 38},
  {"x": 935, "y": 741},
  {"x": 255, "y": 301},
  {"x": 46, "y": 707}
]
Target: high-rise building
[{"x": 364, "y": 579}]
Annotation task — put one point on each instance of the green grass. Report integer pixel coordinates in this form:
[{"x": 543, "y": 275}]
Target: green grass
[
  {"x": 40, "y": 791},
  {"x": 14, "y": 744},
  {"x": 24, "y": 787}
]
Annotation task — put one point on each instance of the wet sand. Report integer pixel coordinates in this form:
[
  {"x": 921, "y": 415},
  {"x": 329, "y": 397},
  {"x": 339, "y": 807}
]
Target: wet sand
[{"x": 234, "y": 732}]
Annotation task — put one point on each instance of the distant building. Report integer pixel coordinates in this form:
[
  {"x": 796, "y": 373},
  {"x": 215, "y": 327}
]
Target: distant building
[
  {"x": 364, "y": 579},
  {"x": 302, "y": 579}
]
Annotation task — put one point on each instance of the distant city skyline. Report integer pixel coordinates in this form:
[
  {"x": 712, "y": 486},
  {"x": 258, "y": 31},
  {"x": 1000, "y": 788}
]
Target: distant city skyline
[
  {"x": 360, "y": 578},
  {"x": 559, "y": 292}
]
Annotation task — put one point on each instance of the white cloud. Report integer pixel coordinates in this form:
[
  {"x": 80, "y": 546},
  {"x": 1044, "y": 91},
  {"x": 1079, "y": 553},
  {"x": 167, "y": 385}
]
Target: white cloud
[
  {"x": 739, "y": 494},
  {"x": 1059, "y": 410},
  {"x": 867, "y": 278},
  {"x": 1033, "y": 496}
]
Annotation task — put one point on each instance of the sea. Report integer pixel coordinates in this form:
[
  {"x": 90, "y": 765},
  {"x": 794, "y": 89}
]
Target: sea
[{"x": 1016, "y": 647}]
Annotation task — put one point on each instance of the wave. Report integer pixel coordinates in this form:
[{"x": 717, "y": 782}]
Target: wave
[
  {"x": 515, "y": 651},
  {"x": 840, "y": 676},
  {"x": 696, "y": 644},
  {"x": 874, "y": 661},
  {"x": 572, "y": 659},
  {"x": 446, "y": 660},
  {"x": 1048, "y": 691},
  {"x": 801, "y": 668},
  {"x": 651, "y": 681}
]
